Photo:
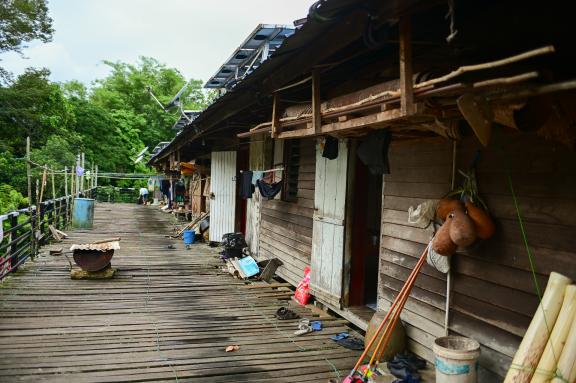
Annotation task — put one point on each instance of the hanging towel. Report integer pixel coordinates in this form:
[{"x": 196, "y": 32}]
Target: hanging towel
[
  {"x": 256, "y": 175},
  {"x": 373, "y": 152},
  {"x": 246, "y": 187},
  {"x": 330, "y": 148},
  {"x": 267, "y": 190}
]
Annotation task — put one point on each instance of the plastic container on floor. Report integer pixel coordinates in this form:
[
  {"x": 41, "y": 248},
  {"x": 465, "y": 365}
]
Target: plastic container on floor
[
  {"x": 83, "y": 213},
  {"x": 189, "y": 236},
  {"x": 456, "y": 359}
]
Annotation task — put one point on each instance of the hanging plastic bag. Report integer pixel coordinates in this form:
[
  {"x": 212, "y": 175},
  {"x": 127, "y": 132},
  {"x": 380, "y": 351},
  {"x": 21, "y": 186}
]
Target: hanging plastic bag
[
  {"x": 302, "y": 294},
  {"x": 422, "y": 214}
]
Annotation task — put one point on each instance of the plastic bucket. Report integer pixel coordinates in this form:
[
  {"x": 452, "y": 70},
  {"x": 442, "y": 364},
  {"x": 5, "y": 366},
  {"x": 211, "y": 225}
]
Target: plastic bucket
[
  {"x": 83, "y": 213},
  {"x": 456, "y": 359},
  {"x": 189, "y": 236}
]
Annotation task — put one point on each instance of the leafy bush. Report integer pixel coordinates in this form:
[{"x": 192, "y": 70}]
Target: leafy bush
[{"x": 11, "y": 199}]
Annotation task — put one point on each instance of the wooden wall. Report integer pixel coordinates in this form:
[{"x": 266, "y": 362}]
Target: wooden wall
[
  {"x": 286, "y": 227},
  {"x": 493, "y": 295}
]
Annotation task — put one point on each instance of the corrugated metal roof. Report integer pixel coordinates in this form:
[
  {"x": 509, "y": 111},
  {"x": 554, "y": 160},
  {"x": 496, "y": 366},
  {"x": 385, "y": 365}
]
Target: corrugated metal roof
[
  {"x": 258, "y": 46},
  {"x": 190, "y": 115}
]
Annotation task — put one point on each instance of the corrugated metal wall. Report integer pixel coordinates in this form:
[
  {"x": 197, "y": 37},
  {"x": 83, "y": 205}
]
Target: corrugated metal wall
[{"x": 223, "y": 187}]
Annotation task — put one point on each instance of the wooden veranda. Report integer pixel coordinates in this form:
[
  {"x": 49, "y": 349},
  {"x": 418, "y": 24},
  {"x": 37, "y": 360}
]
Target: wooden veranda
[{"x": 167, "y": 315}]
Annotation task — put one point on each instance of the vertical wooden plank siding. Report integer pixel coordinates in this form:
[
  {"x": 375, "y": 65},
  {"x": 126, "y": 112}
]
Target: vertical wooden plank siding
[
  {"x": 286, "y": 227},
  {"x": 493, "y": 295},
  {"x": 223, "y": 186},
  {"x": 328, "y": 226}
]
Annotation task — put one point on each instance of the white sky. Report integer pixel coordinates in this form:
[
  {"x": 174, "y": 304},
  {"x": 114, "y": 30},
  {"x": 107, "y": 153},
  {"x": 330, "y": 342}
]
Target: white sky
[{"x": 193, "y": 36}]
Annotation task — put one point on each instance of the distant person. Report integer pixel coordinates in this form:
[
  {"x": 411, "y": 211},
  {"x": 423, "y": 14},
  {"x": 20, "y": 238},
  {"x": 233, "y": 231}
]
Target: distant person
[{"x": 144, "y": 196}]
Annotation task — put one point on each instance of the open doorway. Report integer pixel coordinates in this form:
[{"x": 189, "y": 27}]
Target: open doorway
[{"x": 365, "y": 242}]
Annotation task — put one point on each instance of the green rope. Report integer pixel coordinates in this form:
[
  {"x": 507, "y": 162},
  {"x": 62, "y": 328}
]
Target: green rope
[
  {"x": 528, "y": 252},
  {"x": 291, "y": 338},
  {"x": 158, "y": 350}
]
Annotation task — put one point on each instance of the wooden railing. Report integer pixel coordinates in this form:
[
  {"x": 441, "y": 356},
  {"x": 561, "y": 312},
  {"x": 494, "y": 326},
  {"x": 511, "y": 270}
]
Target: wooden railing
[{"x": 28, "y": 229}]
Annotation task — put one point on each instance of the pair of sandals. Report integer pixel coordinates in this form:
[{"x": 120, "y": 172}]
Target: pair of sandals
[
  {"x": 305, "y": 326},
  {"x": 345, "y": 340},
  {"x": 284, "y": 313}
]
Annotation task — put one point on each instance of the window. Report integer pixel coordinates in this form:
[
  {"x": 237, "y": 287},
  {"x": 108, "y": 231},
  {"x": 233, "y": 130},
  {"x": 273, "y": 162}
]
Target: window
[{"x": 291, "y": 170}]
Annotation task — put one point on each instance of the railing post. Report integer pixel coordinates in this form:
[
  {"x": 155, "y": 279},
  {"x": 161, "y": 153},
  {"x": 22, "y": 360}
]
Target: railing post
[
  {"x": 14, "y": 246},
  {"x": 42, "y": 208}
]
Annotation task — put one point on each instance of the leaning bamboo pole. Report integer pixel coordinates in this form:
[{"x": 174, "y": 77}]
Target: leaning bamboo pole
[
  {"x": 532, "y": 346},
  {"x": 566, "y": 369},
  {"x": 405, "y": 291},
  {"x": 547, "y": 365}
]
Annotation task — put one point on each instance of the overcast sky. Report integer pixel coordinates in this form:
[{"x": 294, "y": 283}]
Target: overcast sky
[{"x": 193, "y": 36}]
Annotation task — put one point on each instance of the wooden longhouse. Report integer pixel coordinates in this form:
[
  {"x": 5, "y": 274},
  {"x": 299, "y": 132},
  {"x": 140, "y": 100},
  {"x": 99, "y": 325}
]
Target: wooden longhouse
[{"x": 484, "y": 84}]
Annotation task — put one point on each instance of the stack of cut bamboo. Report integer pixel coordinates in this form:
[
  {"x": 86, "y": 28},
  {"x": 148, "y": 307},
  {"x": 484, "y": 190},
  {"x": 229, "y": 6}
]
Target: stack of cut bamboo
[{"x": 548, "y": 351}]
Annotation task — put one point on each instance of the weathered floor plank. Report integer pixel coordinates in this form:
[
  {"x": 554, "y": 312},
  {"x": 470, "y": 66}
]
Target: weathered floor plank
[{"x": 167, "y": 315}]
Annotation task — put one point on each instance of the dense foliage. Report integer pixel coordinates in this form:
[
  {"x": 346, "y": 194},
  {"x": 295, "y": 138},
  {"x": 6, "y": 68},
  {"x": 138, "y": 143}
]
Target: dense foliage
[{"x": 111, "y": 121}]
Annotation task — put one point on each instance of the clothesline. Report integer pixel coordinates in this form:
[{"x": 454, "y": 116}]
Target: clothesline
[{"x": 265, "y": 171}]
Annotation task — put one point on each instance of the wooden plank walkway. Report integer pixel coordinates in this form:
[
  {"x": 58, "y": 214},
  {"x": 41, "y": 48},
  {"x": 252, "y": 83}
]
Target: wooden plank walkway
[{"x": 167, "y": 315}]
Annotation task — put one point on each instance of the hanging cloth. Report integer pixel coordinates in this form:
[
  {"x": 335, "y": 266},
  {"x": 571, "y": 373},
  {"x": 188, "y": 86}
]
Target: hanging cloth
[
  {"x": 257, "y": 175},
  {"x": 330, "y": 148},
  {"x": 373, "y": 152},
  {"x": 246, "y": 187},
  {"x": 267, "y": 190}
]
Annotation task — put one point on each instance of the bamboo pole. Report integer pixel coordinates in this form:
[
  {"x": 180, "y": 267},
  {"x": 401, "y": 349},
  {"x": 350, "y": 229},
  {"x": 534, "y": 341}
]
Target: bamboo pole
[
  {"x": 536, "y": 337},
  {"x": 566, "y": 369},
  {"x": 547, "y": 365},
  {"x": 83, "y": 172},
  {"x": 77, "y": 190},
  {"x": 43, "y": 186},
  {"x": 65, "y": 181},
  {"x": 29, "y": 180},
  {"x": 53, "y": 186},
  {"x": 398, "y": 298},
  {"x": 72, "y": 185}
]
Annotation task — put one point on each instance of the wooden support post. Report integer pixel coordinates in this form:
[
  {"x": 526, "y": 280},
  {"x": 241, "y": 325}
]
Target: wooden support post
[
  {"x": 77, "y": 180},
  {"x": 316, "y": 112},
  {"x": 72, "y": 183},
  {"x": 83, "y": 172},
  {"x": 29, "y": 179},
  {"x": 13, "y": 250},
  {"x": 406, "y": 81},
  {"x": 276, "y": 116},
  {"x": 53, "y": 185},
  {"x": 65, "y": 181}
]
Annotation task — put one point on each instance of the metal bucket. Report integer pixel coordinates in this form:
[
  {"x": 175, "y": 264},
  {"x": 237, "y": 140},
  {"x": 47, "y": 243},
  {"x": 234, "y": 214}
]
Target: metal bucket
[{"x": 83, "y": 213}]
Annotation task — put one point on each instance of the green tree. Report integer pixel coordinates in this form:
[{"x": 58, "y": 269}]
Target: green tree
[
  {"x": 32, "y": 106},
  {"x": 22, "y": 21}
]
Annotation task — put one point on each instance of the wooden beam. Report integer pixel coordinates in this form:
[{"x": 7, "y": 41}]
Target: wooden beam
[
  {"x": 406, "y": 81},
  {"x": 316, "y": 112},
  {"x": 297, "y": 133},
  {"x": 374, "y": 120},
  {"x": 276, "y": 129}
]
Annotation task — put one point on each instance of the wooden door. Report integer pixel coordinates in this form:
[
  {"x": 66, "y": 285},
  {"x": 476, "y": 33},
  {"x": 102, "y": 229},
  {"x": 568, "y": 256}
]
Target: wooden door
[
  {"x": 327, "y": 261},
  {"x": 223, "y": 194}
]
